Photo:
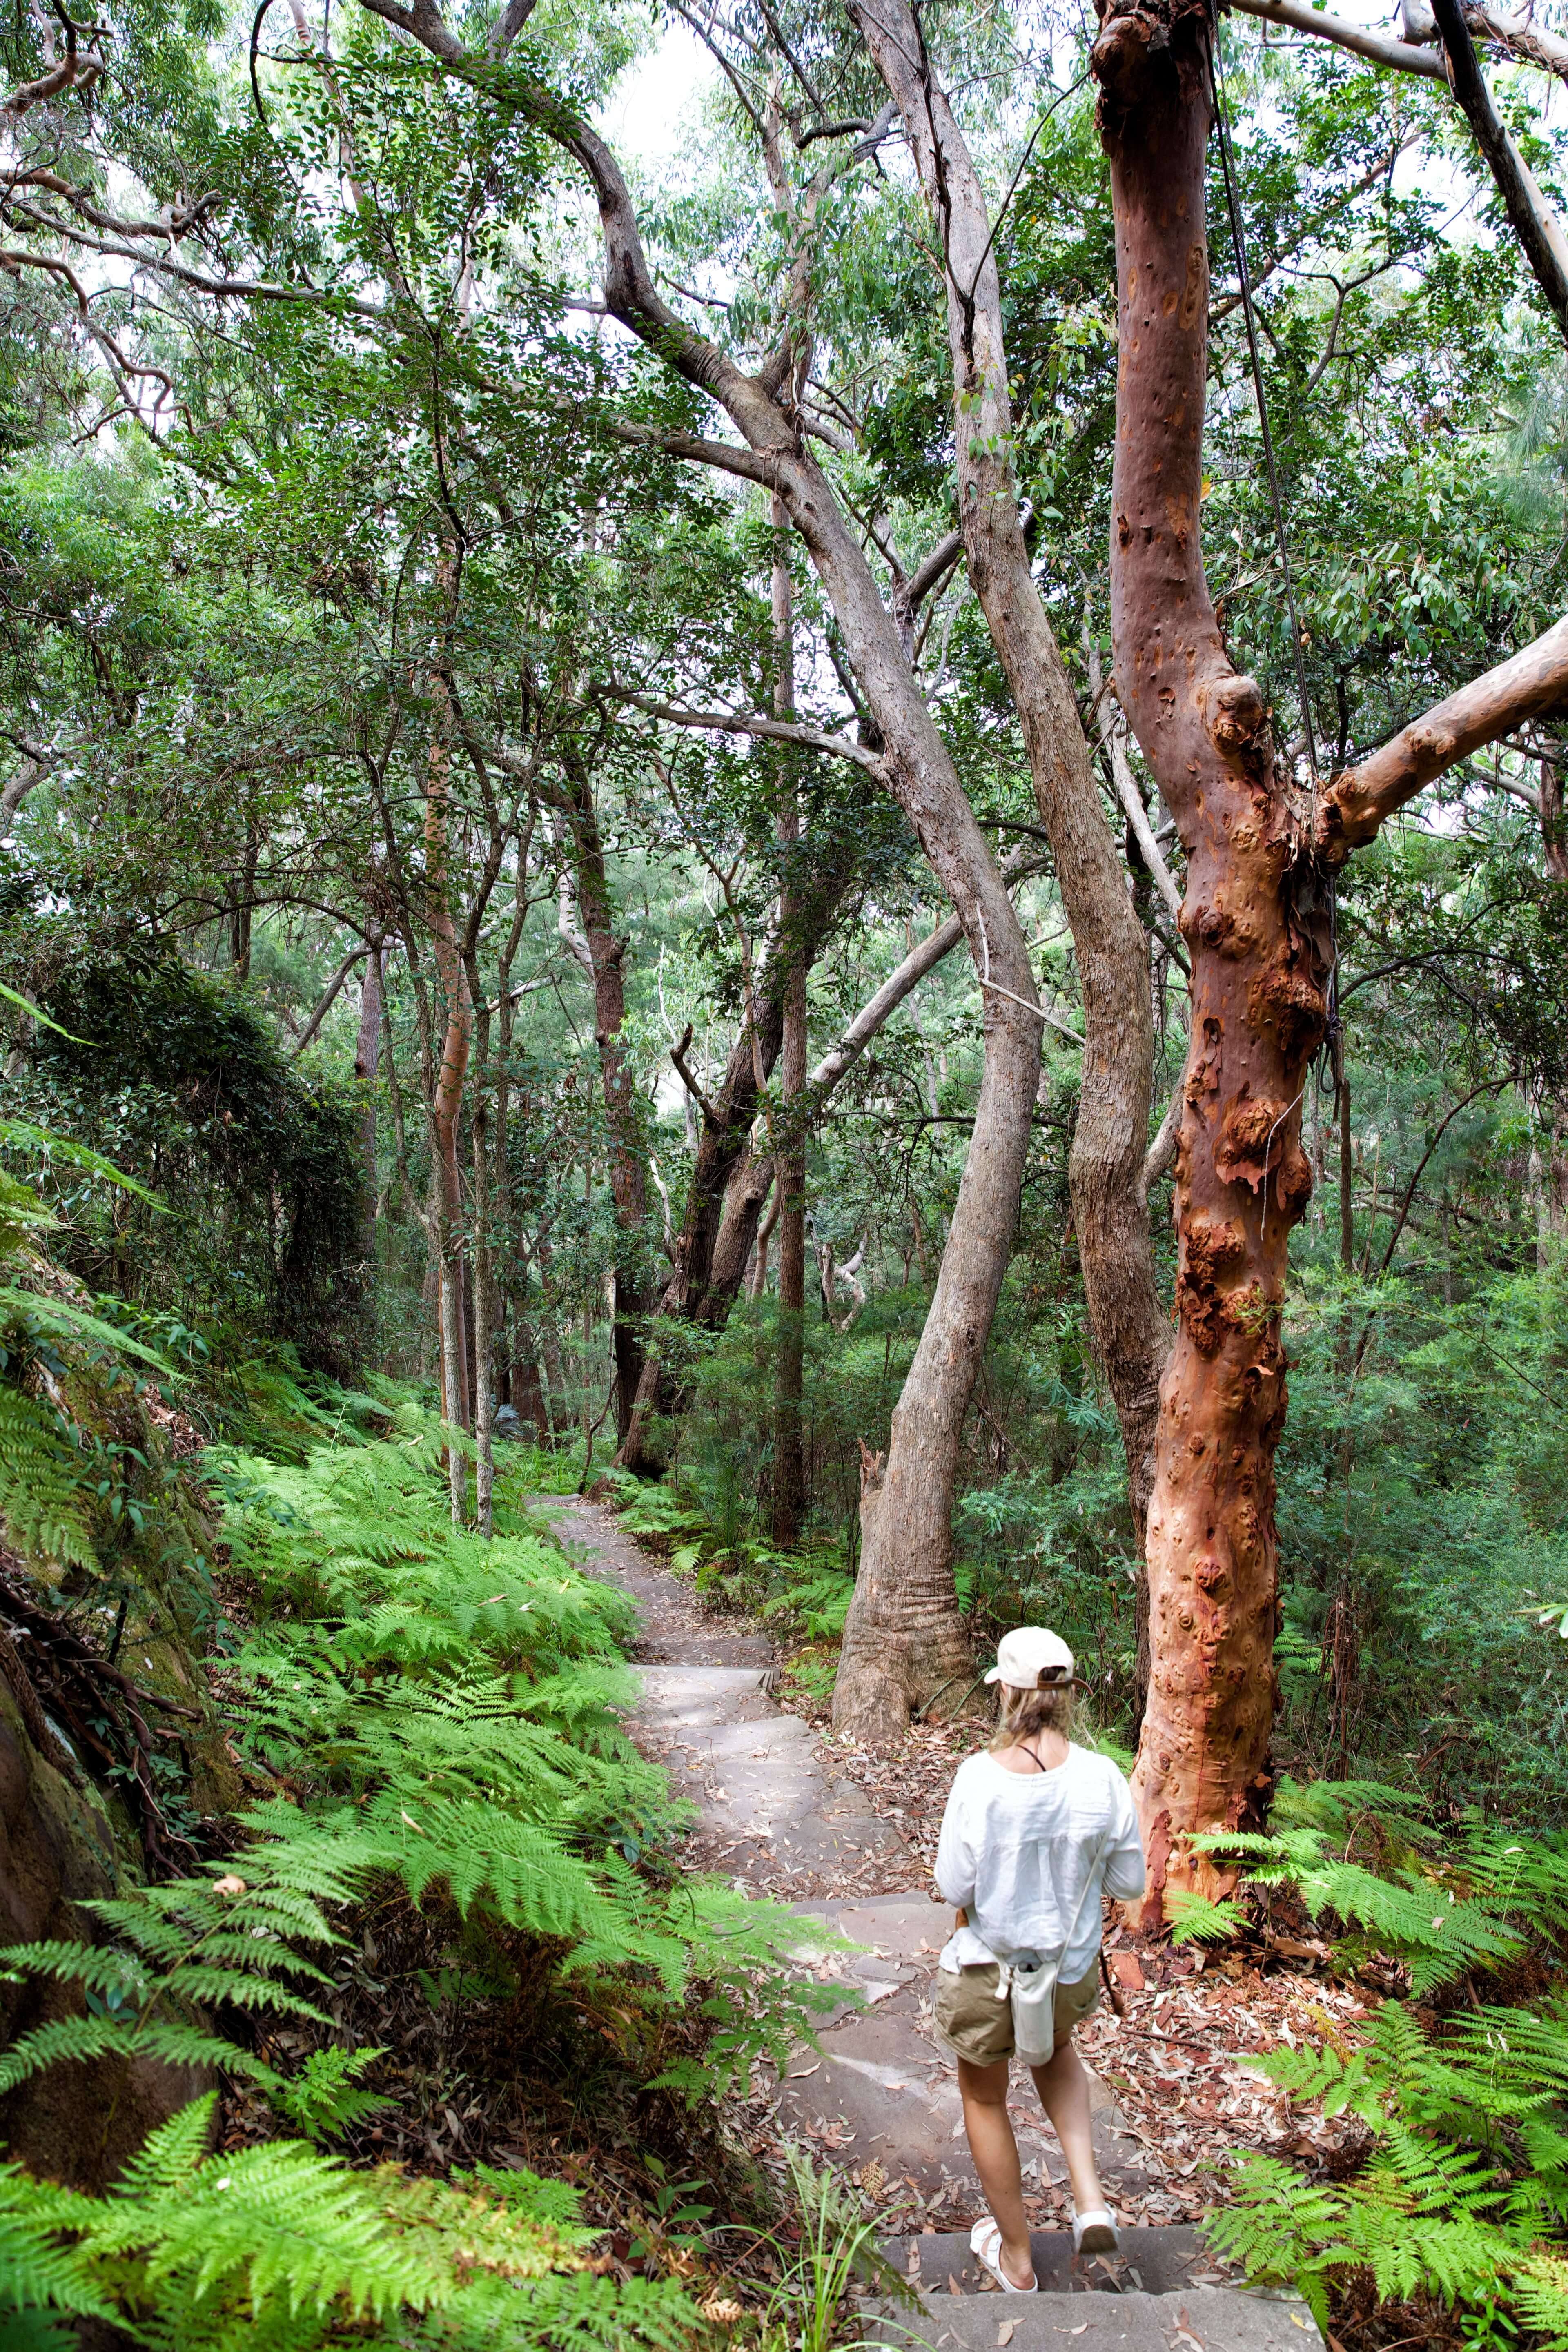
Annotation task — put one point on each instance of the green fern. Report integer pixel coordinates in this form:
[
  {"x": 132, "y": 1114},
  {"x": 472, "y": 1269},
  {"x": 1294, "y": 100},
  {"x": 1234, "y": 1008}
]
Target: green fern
[
  {"x": 1439, "y": 1919},
  {"x": 452, "y": 1725},
  {"x": 44, "y": 1505},
  {"x": 279, "y": 2246},
  {"x": 1194, "y": 1918},
  {"x": 1467, "y": 2181},
  {"x": 323, "y": 2097}
]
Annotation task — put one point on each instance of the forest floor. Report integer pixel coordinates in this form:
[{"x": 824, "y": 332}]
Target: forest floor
[{"x": 847, "y": 1835}]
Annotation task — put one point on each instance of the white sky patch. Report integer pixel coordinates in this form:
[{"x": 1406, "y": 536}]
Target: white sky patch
[{"x": 656, "y": 105}]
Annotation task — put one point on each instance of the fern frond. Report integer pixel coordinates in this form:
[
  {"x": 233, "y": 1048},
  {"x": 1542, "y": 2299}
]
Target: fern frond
[
  {"x": 35, "y": 2268},
  {"x": 1194, "y": 1918},
  {"x": 63, "y": 2040},
  {"x": 279, "y": 2221}
]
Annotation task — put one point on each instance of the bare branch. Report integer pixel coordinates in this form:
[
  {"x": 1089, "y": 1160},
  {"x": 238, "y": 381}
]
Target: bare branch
[
  {"x": 922, "y": 958},
  {"x": 677, "y": 1056},
  {"x": 73, "y": 72},
  {"x": 751, "y": 722},
  {"x": 1362, "y": 798},
  {"x": 1162, "y": 1151},
  {"x": 1375, "y": 47},
  {"x": 1534, "y": 223},
  {"x": 355, "y": 955},
  {"x": 1515, "y": 35}
]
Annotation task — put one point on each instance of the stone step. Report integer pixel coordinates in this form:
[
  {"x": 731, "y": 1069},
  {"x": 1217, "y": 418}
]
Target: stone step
[
  {"x": 1162, "y": 2293},
  {"x": 1201, "y": 2320},
  {"x": 1152, "y": 2261}
]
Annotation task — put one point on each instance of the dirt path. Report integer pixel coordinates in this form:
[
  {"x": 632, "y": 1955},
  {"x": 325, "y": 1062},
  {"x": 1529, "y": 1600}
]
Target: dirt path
[{"x": 776, "y": 1813}]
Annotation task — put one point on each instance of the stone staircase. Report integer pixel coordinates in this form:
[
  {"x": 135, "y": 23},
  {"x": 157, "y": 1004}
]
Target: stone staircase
[
  {"x": 876, "y": 2089},
  {"x": 1162, "y": 2292}
]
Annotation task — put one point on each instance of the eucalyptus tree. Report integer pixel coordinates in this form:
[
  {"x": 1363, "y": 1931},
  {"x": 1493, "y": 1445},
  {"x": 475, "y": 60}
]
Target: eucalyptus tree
[{"x": 1263, "y": 841}]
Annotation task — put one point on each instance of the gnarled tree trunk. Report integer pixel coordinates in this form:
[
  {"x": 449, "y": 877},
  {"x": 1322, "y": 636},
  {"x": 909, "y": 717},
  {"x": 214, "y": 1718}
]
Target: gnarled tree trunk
[
  {"x": 1259, "y": 851},
  {"x": 1254, "y": 921},
  {"x": 895, "y": 1651}
]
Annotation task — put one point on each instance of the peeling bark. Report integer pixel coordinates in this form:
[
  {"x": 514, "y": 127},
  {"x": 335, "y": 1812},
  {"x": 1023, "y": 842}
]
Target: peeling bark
[
  {"x": 1255, "y": 918},
  {"x": 1254, "y": 921}
]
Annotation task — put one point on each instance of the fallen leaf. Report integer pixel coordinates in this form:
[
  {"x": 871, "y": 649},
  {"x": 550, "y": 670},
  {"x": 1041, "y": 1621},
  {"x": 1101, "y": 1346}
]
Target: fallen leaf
[
  {"x": 1004, "y": 2333},
  {"x": 953, "y": 2285}
]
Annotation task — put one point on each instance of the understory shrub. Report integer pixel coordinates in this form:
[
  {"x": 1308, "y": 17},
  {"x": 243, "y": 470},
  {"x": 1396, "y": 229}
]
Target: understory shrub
[
  {"x": 1457, "y": 2196},
  {"x": 444, "y": 1715}
]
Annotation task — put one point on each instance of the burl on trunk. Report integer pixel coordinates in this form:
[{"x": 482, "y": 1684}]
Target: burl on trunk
[{"x": 1255, "y": 920}]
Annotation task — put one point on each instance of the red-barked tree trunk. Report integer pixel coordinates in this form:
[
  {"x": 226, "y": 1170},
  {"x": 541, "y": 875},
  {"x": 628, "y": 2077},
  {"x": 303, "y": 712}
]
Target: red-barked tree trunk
[
  {"x": 1255, "y": 922},
  {"x": 1261, "y": 849}
]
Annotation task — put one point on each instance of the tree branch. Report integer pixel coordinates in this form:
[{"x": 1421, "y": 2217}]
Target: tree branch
[
  {"x": 1375, "y": 47},
  {"x": 355, "y": 955},
  {"x": 1533, "y": 221},
  {"x": 73, "y": 72},
  {"x": 677, "y": 1056},
  {"x": 1362, "y": 798},
  {"x": 751, "y": 722}
]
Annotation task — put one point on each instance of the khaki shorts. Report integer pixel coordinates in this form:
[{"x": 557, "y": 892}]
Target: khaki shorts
[{"x": 971, "y": 2023}]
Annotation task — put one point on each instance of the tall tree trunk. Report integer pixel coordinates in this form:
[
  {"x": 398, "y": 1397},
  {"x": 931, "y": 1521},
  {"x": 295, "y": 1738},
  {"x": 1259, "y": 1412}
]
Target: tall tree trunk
[
  {"x": 1554, "y": 823},
  {"x": 1255, "y": 921},
  {"x": 727, "y": 1187},
  {"x": 896, "y": 1647},
  {"x": 628, "y": 1163},
  {"x": 446, "y": 1095},
  {"x": 367, "y": 1061},
  {"x": 789, "y": 1461},
  {"x": 1111, "y": 1138},
  {"x": 550, "y": 1354},
  {"x": 244, "y": 900},
  {"x": 1347, "y": 1163},
  {"x": 484, "y": 1297}
]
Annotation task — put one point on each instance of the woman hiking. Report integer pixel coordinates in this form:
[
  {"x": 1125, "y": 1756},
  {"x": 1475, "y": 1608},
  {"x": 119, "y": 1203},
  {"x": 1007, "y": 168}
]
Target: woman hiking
[{"x": 1036, "y": 1829}]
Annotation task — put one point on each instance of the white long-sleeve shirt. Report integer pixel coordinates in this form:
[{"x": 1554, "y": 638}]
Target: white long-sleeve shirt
[{"x": 1017, "y": 1852}]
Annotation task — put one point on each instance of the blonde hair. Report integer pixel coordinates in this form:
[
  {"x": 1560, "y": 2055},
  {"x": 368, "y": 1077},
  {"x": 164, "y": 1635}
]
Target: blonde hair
[{"x": 1022, "y": 1713}]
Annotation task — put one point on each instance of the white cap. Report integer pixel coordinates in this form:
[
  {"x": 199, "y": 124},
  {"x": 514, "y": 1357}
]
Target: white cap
[{"x": 1031, "y": 1658}]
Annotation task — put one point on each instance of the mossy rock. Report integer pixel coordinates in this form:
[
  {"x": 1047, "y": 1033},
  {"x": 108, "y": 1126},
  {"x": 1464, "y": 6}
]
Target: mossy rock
[{"x": 76, "y": 2124}]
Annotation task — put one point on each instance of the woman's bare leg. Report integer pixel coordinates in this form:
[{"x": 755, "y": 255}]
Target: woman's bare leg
[
  {"x": 996, "y": 2152},
  {"x": 1063, "y": 2086}
]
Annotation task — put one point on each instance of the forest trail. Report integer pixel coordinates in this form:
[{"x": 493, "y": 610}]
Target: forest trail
[{"x": 879, "y": 2099}]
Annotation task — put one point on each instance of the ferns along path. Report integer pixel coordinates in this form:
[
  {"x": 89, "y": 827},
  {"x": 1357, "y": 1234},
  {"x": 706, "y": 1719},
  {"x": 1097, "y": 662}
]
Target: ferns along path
[{"x": 783, "y": 877}]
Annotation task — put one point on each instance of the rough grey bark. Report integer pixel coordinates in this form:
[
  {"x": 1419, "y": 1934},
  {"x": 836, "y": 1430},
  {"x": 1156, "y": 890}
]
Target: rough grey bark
[
  {"x": 789, "y": 1460},
  {"x": 1105, "y": 1169}
]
